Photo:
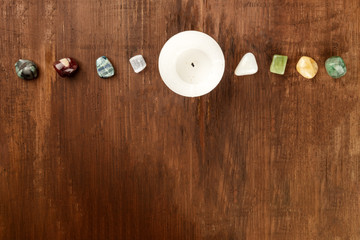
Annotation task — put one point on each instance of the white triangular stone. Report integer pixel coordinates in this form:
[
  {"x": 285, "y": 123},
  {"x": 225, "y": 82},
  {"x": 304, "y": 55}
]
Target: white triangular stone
[{"x": 247, "y": 65}]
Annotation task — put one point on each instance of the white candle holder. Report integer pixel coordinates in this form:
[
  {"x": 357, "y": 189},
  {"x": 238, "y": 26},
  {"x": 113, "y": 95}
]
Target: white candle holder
[{"x": 191, "y": 63}]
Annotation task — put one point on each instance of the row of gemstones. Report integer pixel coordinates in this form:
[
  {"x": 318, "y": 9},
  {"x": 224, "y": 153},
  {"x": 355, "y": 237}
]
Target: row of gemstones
[
  {"x": 306, "y": 66},
  {"x": 67, "y": 67}
]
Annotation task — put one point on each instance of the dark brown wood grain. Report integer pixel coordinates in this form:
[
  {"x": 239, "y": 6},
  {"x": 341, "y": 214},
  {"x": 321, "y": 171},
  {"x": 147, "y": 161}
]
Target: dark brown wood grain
[{"x": 260, "y": 157}]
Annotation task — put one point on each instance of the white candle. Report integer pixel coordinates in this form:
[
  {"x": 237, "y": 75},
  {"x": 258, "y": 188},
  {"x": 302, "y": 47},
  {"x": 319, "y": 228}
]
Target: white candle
[{"x": 191, "y": 63}]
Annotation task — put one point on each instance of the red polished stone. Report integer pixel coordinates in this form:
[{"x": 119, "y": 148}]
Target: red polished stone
[{"x": 66, "y": 67}]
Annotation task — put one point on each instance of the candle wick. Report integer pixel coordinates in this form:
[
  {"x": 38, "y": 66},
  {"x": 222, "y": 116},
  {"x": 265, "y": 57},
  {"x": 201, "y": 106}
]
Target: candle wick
[{"x": 192, "y": 64}]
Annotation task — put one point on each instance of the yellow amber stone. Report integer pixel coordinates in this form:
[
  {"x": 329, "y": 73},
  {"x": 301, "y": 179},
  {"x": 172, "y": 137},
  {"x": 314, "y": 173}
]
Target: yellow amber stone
[{"x": 307, "y": 67}]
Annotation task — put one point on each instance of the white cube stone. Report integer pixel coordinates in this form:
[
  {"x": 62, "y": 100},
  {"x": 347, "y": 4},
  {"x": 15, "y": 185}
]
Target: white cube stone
[{"x": 138, "y": 63}]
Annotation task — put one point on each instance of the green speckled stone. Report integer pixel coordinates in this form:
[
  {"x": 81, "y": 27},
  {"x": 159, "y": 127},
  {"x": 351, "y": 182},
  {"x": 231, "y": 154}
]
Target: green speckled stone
[
  {"x": 278, "y": 64},
  {"x": 335, "y": 67},
  {"x": 26, "y": 69}
]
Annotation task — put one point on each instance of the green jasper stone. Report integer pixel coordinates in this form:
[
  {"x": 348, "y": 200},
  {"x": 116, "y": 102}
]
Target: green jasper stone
[
  {"x": 26, "y": 69},
  {"x": 278, "y": 64},
  {"x": 335, "y": 67}
]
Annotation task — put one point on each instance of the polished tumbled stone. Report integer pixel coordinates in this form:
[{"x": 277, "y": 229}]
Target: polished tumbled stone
[
  {"x": 247, "y": 65},
  {"x": 138, "y": 63},
  {"x": 307, "y": 67},
  {"x": 278, "y": 64},
  {"x": 26, "y": 69},
  {"x": 335, "y": 67},
  {"x": 66, "y": 67},
  {"x": 104, "y": 67}
]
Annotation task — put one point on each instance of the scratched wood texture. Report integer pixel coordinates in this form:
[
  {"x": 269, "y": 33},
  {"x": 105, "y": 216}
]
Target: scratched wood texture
[{"x": 260, "y": 157}]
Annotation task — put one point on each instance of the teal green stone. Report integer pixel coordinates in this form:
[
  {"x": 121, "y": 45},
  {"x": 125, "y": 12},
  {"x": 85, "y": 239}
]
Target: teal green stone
[
  {"x": 26, "y": 69},
  {"x": 278, "y": 64},
  {"x": 335, "y": 67}
]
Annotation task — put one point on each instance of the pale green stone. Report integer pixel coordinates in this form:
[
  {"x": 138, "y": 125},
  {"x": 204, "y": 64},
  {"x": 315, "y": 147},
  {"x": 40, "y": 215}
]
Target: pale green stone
[{"x": 278, "y": 64}]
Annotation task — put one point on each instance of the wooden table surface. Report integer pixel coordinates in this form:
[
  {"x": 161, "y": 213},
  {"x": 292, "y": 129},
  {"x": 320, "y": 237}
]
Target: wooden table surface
[{"x": 261, "y": 157}]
